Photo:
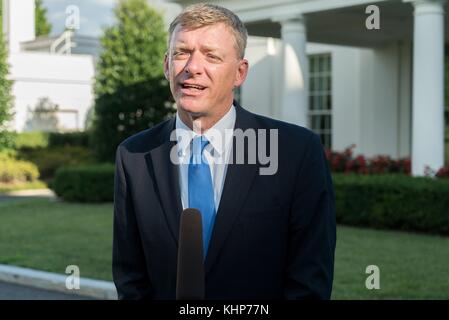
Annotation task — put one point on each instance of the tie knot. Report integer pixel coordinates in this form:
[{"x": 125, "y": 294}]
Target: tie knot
[{"x": 198, "y": 145}]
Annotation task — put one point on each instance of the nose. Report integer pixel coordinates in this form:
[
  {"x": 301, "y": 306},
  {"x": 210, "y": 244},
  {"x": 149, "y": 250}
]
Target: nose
[{"x": 194, "y": 64}]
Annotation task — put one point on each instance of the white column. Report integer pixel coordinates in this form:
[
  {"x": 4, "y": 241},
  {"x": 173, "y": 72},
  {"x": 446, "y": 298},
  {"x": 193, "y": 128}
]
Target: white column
[
  {"x": 428, "y": 86},
  {"x": 295, "y": 89},
  {"x": 18, "y": 22}
]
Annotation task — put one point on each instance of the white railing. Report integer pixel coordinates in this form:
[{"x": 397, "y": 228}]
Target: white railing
[{"x": 63, "y": 44}]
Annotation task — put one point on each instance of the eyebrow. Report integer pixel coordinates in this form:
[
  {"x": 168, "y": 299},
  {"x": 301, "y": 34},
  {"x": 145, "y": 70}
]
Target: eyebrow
[
  {"x": 183, "y": 45},
  {"x": 179, "y": 45},
  {"x": 210, "y": 48}
]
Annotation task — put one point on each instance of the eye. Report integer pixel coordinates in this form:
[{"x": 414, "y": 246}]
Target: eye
[
  {"x": 213, "y": 57},
  {"x": 180, "y": 54}
]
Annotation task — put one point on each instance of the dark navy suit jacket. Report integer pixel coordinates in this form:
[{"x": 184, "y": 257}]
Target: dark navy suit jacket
[{"x": 274, "y": 235}]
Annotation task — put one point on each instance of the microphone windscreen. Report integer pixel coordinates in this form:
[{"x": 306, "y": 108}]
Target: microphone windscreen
[{"x": 190, "y": 270}]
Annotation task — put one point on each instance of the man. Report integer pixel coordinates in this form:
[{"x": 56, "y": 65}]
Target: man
[{"x": 266, "y": 236}]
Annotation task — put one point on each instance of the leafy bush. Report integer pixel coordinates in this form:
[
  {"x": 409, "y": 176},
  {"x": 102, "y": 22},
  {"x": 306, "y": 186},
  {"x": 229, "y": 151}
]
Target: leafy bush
[
  {"x": 345, "y": 162},
  {"x": 443, "y": 172},
  {"x": 40, "y": 139},
  {"x": 31, "y": 140},
  {"x": 57, "y": 139},
  {"x": 85, "y": 183},
  {"x": 50, "y": 159},
  {"x": 6, "y": 98},
  {"x": 16, "y": 171},
  {"x": 393, "y": 201},
  {"x": 131, "y": 91}
]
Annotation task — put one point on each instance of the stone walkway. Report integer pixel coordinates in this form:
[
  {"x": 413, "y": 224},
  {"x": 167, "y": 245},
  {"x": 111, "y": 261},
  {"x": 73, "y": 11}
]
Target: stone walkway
[{"x": 27, "y": 194}]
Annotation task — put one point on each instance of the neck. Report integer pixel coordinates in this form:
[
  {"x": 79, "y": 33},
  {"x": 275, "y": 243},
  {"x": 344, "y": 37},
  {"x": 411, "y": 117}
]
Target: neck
[{"x": 202, "y": 122}]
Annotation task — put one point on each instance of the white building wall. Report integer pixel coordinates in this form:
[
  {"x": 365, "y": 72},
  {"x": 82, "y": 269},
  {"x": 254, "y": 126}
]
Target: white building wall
[
  {"x": 65, "y": 80},
  {"x": 260, "y": 92},
  {"x": 405, "y": 100},
  {"x": 18, "y": 22},
  {"x": 385, "y": 101},
  {"x": 370, "y": 93},
  {"x": 345, "y": 64}
]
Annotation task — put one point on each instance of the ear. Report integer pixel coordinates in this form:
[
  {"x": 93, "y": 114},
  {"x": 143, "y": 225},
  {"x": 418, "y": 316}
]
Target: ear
[
  {"x": 242, "y": 72},
  {"x": 166, "y": 65}
]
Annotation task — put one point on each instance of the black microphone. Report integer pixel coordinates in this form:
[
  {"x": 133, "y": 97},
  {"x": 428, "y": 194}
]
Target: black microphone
[{"x": 190, "y": 274}]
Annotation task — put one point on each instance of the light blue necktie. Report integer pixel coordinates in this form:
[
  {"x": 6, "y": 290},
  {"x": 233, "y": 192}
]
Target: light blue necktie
[{"x": 201, "y": 191}]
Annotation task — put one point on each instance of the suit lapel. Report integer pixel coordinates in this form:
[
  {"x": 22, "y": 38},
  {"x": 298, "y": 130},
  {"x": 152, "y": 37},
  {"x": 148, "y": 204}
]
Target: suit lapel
[
  {"x": 166, "y": 177},
  {"x": 239, "y": 178}
]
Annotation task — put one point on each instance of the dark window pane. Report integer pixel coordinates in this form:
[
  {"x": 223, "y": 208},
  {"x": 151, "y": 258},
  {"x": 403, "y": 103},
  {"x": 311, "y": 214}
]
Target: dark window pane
[
  {"x": 316, "y": 122},
  {"x": 311, "y": 64},
  {"x": 327, "y": 121}
]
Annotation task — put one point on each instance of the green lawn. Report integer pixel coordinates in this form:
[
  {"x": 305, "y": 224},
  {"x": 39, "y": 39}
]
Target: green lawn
[{"x": 51, "y": 235}]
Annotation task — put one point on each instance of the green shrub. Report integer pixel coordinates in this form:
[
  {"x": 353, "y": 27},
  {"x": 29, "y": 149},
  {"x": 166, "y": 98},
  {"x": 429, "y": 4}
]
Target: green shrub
[
  {"x": 40, "y": 139},
  {"x": 58, "y": 139},
  {"x": 16, "y": 171},
  {"x": 7, "y": 140},
  {"x": 48, "y": 160},
  {"x": 131, "y": 91},
  {"x": 6, "y": 97},
  {"x": 31, "y": 140},
  {"x": 393, "y": 201},
  {"x": 93, "y": 183}
]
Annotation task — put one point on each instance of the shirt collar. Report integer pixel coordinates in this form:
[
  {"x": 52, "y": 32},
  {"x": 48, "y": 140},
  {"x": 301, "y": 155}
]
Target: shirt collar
[{"x": 219, "y": 135}]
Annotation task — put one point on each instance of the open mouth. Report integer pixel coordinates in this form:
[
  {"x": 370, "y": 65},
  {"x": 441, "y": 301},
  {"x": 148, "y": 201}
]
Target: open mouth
[{"x": 192, "y": 86}]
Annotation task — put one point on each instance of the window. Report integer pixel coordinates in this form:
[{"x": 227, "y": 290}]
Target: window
[{"x": 320, "y": 97}]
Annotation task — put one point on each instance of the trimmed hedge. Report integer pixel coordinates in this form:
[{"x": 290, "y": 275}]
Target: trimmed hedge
[
  {"x": 393, "y": 201},
  {"x": 57, "y": 139},
  {"x": 31, "y": 140},
  {"x": 50, "y": 159},
  {"x": 94, "y": 183},
  {"x": 390, "y": 201},
  {"x": 40, "y": 139}
]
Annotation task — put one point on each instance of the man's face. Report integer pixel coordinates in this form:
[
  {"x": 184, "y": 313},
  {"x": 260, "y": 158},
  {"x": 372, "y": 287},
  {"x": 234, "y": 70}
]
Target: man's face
[{"x": 203, "y": 67}]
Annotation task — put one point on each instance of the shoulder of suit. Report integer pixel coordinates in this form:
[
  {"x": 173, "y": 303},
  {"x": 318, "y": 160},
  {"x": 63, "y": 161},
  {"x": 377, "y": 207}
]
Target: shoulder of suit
[
  {"x": 148, "y": 139},
  {"x": 286, "y": 130}
]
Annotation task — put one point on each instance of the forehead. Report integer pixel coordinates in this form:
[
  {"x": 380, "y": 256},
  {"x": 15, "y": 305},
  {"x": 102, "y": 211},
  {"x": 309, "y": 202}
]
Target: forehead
[{"x": 217, "y": 34}]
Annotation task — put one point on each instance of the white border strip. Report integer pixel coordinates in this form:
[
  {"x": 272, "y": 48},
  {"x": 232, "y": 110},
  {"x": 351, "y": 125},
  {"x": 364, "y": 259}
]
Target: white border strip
[{"x": 98, "y": 289}]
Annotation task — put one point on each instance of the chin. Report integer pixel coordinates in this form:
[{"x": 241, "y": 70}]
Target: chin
[{"x": 192, "y": 106}]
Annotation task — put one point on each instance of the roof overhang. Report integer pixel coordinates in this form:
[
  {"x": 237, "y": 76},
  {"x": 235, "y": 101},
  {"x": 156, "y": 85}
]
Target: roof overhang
[{"x": 340, "y": 22}]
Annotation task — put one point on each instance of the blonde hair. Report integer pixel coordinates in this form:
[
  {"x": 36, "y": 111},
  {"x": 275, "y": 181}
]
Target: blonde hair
[{"x": 205, "y": 14}]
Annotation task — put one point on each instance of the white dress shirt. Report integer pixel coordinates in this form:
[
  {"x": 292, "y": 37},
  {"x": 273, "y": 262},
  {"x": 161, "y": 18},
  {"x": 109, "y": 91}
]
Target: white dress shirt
[{"x": 216, "y": 152}]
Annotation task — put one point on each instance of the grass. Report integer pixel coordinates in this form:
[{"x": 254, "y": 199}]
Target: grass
[
  {"x": 412, "y": 266},
  {"x": 51, "y": 235}
]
